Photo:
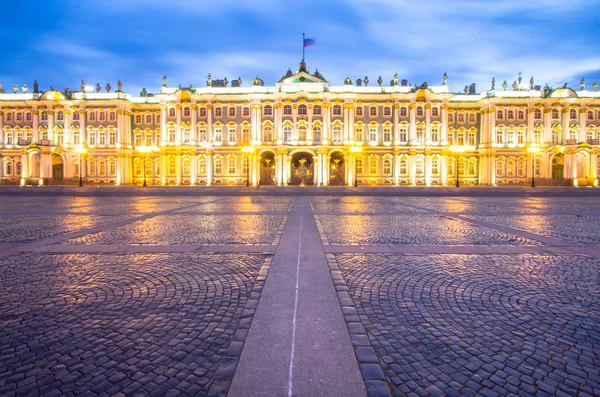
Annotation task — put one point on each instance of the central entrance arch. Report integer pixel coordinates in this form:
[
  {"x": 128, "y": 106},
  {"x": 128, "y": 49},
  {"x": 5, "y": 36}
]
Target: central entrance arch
[
  {"x": 558, "y": 167},
  {"x": 57, "y": 168},
  {"x": 303, "y": 169}
]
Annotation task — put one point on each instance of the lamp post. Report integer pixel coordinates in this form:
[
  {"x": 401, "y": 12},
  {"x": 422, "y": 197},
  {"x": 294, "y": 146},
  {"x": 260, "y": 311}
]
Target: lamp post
[
  {"x": 81, "y": 150},
  {"x": 457, "y": 150},
  {"x": 356, "y": 150},
  {"x": 247, "y": 150},
  {"x": 145, "y": 150},
  {"x": 533, "y": 150}
]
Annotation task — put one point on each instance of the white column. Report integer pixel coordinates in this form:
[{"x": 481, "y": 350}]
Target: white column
[
  {"x": 2, "y": 134},
  {"x": 412, "y": 171},
  {"x": 326, "y": 110},
  {"x": 396, "y": 125},
  {"x": 178, "y": 169},
  {"x": 51, "y": 126},
  {"x": 178, "y": 137},
  {"x": 277, "y": 108},
  {"x": 444, "y": 131},
  {"x": 288, "y": 169},
  {"x": 583, "y": 126},
  {"x": 67, "y": 129},
  {"x": 565, "y": 124},
  {"x": 530, "y": 125},
  {"x": 24, "y": 167},
  {"x": 163, "y": 170},
  {"x": 428, "y": 169},
  {"x": 194, "y": 176},
  {"x": 209, "y": 122},
  {"x": 547, "y": 125},
  {"x": 396, "y": 168},
  {"x": 427, "y": 123},
  {"x": 209, "y": 168},
  {"x": 163, "y": 127},
  {"x": 444, "y": 170},
  {"x": 82, "y": 130},
  {"x": 194, "y": 129},
  {"x": 412, "y": 133}
]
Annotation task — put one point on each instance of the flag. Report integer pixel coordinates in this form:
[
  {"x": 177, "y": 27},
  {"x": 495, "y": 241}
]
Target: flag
[{"x": 308, "y": 42}]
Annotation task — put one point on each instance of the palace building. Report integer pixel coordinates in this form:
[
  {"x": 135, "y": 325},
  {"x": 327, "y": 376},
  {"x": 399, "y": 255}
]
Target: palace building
[{"x": 302, "y": 130}]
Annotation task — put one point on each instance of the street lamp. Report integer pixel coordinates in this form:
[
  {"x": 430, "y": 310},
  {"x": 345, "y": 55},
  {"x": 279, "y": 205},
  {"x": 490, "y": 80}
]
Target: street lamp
[
  {"x": 81, "y": 150},
  {"x": 533, "y": 150},
  {"x": 247, "y": 150},
  {"x": 145, "y": 150},
  {"x": 356, "y": 150},
  {"x": 457, "y": 150}
]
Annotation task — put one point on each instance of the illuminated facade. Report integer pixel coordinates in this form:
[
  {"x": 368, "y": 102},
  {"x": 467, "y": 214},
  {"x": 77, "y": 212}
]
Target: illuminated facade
[{"x": 302, "y": 131}]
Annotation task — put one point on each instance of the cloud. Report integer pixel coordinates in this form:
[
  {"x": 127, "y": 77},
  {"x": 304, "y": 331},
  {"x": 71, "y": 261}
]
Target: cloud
[{"x": 71, "y": 49}]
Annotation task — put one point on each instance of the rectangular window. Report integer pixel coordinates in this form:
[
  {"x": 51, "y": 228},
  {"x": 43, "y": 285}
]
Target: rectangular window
[
  {"x": 403, "y": 134},
  {"x": 112, "y": 116},
  {"x": 138, "y": 139},
  {"x": 102, "y": 116},
  {"x": 92, "y": 116},
  {"x": 218, "y": 135},
  {"x": 231, "y": 111},
  {"x": 19, "y": 116},
  {"x": 387, "y": 134},
  {"x": 372, "y": 134},
  {"x": 9, "y": 117},
  {"x": 358, "y": 134},
  {"x": 148, "y": 119},
  {"x": 148, "y": 139},
  {"x": 472, "y": 136},
  {"x": 202, "y": 135},
  {"x": 231, "y": 135}
]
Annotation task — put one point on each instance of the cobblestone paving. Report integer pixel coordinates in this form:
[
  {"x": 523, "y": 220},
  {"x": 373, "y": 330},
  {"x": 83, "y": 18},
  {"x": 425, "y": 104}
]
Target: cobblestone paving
[
  {"x": 480, "y": 325},
  {"x": 192, "y": 229},
  {"x": 354, "y": 204},
  {"x": 573, "y": 228},
  {"x": 411, "y": 230},
  {"x": 27, "y": 228},
  {"x": 133, "y": 324}
]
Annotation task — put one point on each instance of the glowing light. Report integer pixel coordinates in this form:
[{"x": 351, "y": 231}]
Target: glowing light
[
  {"x": 456, "y": 149},
  {"x": 533, "y": 150},
  {"x": 81, "y": 149}
]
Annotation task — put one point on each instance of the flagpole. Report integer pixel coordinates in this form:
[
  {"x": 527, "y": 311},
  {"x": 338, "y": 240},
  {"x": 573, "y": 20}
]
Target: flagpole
[{"x": 303, "y": 47}]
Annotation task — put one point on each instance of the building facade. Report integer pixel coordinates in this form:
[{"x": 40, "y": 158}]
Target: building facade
[{"x": 302, "y": 131}]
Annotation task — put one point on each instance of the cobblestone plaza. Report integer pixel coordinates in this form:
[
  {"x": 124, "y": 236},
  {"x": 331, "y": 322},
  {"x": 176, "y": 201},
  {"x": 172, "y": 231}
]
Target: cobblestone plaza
[{"x": 274, "y": 295}]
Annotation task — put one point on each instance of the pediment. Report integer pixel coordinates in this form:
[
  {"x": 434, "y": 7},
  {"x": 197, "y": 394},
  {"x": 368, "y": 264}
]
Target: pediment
[{"x": 302, "y": 77}]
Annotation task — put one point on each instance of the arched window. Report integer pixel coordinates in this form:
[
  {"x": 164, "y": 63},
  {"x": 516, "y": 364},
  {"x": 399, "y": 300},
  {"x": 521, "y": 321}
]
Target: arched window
[
  {"x": 268, "y": 110},
  {"x": 186, "y": 166},
  {"x": 435, "y": 166},
  {"x": 359, "y": 166},
  {"x": 246, "y": 133},
  {"x": 590, "y": 115},
  {"x": 112, "y": 136},
  {"x": 102, "y": 116},
  {"x": 231, "y": 111},
  {"x": 59, "y": 136},
  {"x": 461, "y": 118},
  {"x": 435, "y": 133},
  {"x": 317, "y": 133},
  {"x": 186, "y": 133},
  {"x": 171, "y": 166},
  {"x": 537, "y": 135},
  {"x": 419, "y": 111},
  {"x": 556, "y": 135},
  {"x": 218, "y": 111},
  {"x": 231, "y": 166},
  {"x": 148, "y": 119},
  {"x": 19, "y": 135},
  {"x": 302, "y": 133},
  {"x": 317, "y": 109},
  {"x": 510, "y": 114},
  {"x": 202, "y": 112},
  {"x": 420, "y": 133},
  {"x": 76, "y": 116},
  {"x": 245, "y": 111},
  {"x": 373, "y": 111},
  {"x": 472, "y": 137},
  {"x": 287, "y": 109},
  {"x": 8, "y": 136},
  {"x": 8, "y": 169},
  {"x": 472, "y": 166},
  {"x": 231, "y": 134},
  {"x": 287, "y": 133},
  {"x": 460, "y": 137},
  {"x": 112, "y": 116},
  {"x": 18, "y": 168},
  {"x": 267, "y": 133},
  {"x": 462, "y": 162},
  {"x": 202, "y": 166},
  {"x": 573, "y": 132},
  {"x": 472, "y": 118},
  {"x": 403, "y": 167},
  {"x": 60, "y": 116},
  {"x": 76, "y": 136},
  {"x": 521, "y": 135},
  {"x": 510, "y": 135},
  {"x": 387, "y": 167},
  {"x": 101, "y": 167},
  {"x": 373, "y": 165},
  {"x": 510, "y": 167},
  {"x": 359, "y": 133},
  {"x": 573, "y": 114},
  {"x": 101, "y": 136},
  {"x": 403, "y": 133},
  {"x": 419, "y": 167},
  {"x": 590, "y": 132},
  {"x": 373, "y": 133},
  {"x": 520, "y": 115},
  {"x": 337, "y": 110},
  {"x": 91, "y": 135},
  {"x": 138, "y": 119},
  {"x": 302, "y": 110},
  {"x": 112, "y": 167},
  {"x": 435, "y": 112},
  {"x": 171, "y": 112},
  {"x": 387, "y": 111},
  {"x": 186, "y": 111},
  {"x": 137, "y": 167},
  {"x": 555, "y": 114},
  {"x": 403, "y": 112},
  {"x": 337, "y": 134},
  {"x": 537, "y": 114},
  {"x": 499, "y": 114},
  {"x": 358, "y": 111},
  {"x": 387, "y": 133},
  {"x": 500, "y": 166},
  {"x": 171, "y": 132},
  {"x": 521, "y": 167},
  {"x": 218, "y": 132}
]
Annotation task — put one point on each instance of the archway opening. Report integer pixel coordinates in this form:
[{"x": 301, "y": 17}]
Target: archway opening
[
  {"x": 558, "y": 167},
  {"x": 302, "y": 169},
  {"x": 267, "y": 169},
  {"x": 337, "y": 169},
  {"x": 57, "y": 168}
]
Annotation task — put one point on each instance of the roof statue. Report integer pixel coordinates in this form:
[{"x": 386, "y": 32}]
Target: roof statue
[
  {"x": 445, "y": 79},
  {"x": 68, "y": 91},
  {"x": 209, "y": 81},
  {"x": 493, "y": 83},
  {"x": 15, "y": 88},
  {"x": 289, "y": 73},
  {"x": 98, "y": 88},
  {"x": 366, "y": 80},
  {"x": 119, "y": 86},
  {"x": 520, "y": 79},
  {"x": 515, "y": 85},
  {"x": 505, "y": 85},
  {"x": 380, "y": 81},
  {"x": 466, "y": 89},
  {"x": 546, "y": 90},
  {"x": 318, "y": 75},
  {"x": 348, "y": 80},
  {"x": 36, "y": 88},
  {"x": 594, "y": 86},
  {"x": 144, "y": 93},
  {"x": 565, "y": 86},
  {"x": 394, "y": 80},
  {"x": 1, "y": 89},
  {"x": 24, "y": 88},
  {"x": 164, "y": 81},
  {"x": 82, "y": 86},
  {"x": 258, "y": 81},
  {"x": 531, "y": 83},
  {"x": 107, "y": 87},
  {"x": 51, "y": 88},
  {"x": 582, "y": 84}
]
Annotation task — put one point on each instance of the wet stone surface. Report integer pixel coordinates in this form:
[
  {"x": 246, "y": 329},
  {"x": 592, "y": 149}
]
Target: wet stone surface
[
  {"x": 192, "y": 229},
  {"x": 480, "y": 325},
  {"x": 405, "y": 229},
  {"x": 130, "y": 324}
]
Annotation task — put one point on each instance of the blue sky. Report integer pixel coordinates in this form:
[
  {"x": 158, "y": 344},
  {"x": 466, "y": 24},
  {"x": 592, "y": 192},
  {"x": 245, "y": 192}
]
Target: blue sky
[{"x": 61, "y": 42}]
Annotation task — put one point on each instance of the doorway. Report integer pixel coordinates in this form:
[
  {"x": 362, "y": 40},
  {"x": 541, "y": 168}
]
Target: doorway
[
  {"x": 337, "y": 169},
  {"x": 302, "y": 170}
]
